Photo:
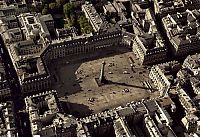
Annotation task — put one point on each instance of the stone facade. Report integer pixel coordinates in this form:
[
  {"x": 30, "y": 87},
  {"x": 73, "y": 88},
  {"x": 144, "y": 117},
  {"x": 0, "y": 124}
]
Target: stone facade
[
  {"x": 92, "y": 16},
  {"x": 162, "y": 76},
  {"x": 148, "y": 44}
]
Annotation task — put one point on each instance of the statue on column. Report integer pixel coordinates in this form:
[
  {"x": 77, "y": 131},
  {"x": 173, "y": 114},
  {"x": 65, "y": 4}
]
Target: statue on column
[{"x": 102, "y": 78}]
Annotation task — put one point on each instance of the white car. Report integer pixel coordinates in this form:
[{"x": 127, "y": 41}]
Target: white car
[{"x": 125, "y": 72}]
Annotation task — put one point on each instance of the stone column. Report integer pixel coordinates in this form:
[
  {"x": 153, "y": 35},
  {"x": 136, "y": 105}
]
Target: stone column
[{"x": 102, "y": 77}]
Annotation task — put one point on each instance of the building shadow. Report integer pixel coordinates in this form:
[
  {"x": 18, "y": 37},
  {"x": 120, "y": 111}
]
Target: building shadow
[
  {"x": 67, "y": 81},
  {"x": 70, "y": 83},
  {"x": 77, "y": 110},
  {"x": 129, "y": 85}
]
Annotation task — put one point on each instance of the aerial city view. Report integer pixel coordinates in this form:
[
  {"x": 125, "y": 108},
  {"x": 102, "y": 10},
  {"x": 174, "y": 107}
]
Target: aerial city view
[{"x": 99, "y": 68}]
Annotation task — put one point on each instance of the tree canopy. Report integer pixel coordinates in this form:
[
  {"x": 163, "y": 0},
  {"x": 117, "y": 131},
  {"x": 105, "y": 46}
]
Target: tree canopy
[
  {"x": 68, "y": 9},
  {"x": 52, "y": 6},
  {"x": 84, "y": 24},
  {"x": 45, "y": 10}
]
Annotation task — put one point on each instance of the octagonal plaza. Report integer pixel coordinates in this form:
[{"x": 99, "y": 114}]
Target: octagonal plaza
[{"x": 75, "y": 82}]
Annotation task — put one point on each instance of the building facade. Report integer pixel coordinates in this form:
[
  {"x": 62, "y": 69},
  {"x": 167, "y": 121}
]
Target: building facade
[
  {"x": 92, "y": 16},
  {"x": 148, "y": 45},
  {"x": 162, "y": 75},
  {"x": 7, "y": 120}
]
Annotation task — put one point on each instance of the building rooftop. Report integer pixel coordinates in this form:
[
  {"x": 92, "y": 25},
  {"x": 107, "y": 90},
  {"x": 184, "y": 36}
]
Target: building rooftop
[
  {"x": 151, "y": 105},
  {"x": 170, "y": 67},
  {"x": 122, "y": 129},
  {"x": 125, "y": 111},
  {"x": 7, "y": 120},
  {"x": 66, "y": 32},
  {"x": 27, "y": 63},
  {"x": 165, "y": 102},
  {"x": 44, "y": 108},
  {"x": 33, "y": 25},
  {"x": 108, "y": 7},
  {"x": 192, "y": 4},
  {"x": 181, "y": 28},
  {"x": 192, "y": 62},
  {"x": 26, "y": 35},
  {"x": 148, "y": 37},
  {"x": 163, "y": 7},
  {"x": 92, "y": 15},
  {"x": 186, "y": 101}
]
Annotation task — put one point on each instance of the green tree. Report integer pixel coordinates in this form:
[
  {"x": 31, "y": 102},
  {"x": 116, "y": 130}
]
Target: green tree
[
  {"x": 45, "y": 11},
  {"x": 32, "y": 8},
  {"x": 84, "y": 24},
  {"x": 68, "y": 9},
  {"x": 73, "y": 19},
  {"x": 61, "y": 2},
  {"x": 52, "y": 6}
]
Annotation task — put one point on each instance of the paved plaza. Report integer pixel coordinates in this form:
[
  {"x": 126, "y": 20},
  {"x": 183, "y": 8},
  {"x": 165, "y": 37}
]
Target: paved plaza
[{"x": 76, "y": 84}]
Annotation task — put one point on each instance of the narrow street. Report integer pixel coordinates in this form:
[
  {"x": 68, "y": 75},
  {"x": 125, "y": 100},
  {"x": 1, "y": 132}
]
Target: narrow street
[{"x": 16, "y": 94}]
